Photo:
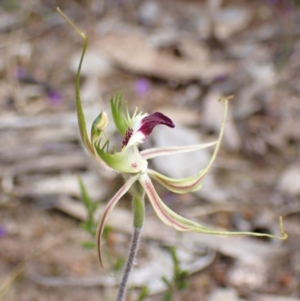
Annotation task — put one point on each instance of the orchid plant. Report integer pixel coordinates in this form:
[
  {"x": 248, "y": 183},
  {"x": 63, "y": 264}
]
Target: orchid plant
[{"x": 132, "y": 163}]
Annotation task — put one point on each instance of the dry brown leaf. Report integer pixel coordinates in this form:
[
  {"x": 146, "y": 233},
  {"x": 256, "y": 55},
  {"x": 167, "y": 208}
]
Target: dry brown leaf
[{"x": 134, "y": 53}]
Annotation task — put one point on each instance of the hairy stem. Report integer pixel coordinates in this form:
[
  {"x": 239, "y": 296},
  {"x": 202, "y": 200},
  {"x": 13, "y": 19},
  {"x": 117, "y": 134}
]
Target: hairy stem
[
  {"x": 129, "y": 264},
  {"x": 139, "y": 216}
]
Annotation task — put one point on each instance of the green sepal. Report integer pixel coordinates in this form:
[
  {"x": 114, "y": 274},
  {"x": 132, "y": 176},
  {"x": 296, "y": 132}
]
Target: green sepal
[
  {"x": 80, "y": 115},
  {"x": 118, "y": 114}
]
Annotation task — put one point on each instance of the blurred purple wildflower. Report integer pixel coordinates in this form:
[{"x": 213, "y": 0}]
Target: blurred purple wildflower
[
  {"x": 141, "y": 86},
  {"x": 54, "y": 97},
  {"x": 284, "y": 6},
  {"x": 20, "y": 73},
  {"x": 2, "y": 232},
  {"x": 220, "y": 78}
]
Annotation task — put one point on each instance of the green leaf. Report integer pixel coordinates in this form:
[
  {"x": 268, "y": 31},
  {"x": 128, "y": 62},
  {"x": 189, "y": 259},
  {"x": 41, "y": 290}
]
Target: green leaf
[
  {"x": 106, "y": 231},
  {"x": 88, "y": 245},
  {"x": 168, "y": 295},
  {"x": 166, "y": 281},
  {"x": 174, "y": 259},
  {"x": 88, "y": 227},
  {"x": 118, "y": 265},
  {"x": 143, "y": 294},
  {"x": 94, "y": 206},
  {"x": 84, "y": 194}
]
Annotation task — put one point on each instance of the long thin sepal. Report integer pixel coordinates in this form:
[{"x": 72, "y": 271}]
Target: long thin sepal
[
  {"x": 173, "y": 150},
  {"x": 80, "y": 115},
  {"x": 192, "y": 183},
  {"x": 109, "y": 207},
  {"x": 180, "y": 223}
]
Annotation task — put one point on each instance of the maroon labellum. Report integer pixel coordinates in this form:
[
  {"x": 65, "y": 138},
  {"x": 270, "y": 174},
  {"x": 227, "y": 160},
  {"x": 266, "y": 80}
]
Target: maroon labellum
[{"x": 152, "y": 120}]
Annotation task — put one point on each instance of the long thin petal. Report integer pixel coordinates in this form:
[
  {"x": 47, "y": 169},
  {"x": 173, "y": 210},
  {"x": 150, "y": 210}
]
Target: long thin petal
[
  {"x": 173, "y": 150},
  {"x": 180, "y": 186},
  {"x": 109, "y": 207},
  {"x": 192, "y": 183},
  {"x": 169, "y": 217}
]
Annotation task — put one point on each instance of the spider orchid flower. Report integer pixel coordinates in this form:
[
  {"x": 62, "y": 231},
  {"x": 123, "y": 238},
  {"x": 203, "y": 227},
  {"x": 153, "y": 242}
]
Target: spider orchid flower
[{"x": 133, "y": 162}]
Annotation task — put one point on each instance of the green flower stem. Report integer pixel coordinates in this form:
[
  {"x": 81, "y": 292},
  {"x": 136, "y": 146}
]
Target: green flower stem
[
  {"x": 139, "y": 208},
  {"x": 138, "y": 222}
]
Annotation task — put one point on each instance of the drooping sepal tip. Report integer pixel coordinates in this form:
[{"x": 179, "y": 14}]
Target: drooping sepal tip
[
  {"x": 284, "y": 235},
  {"x": 221, "y": 134},
  {"x": 226, "y": 98},
  {"x": 71, "y": 23}
]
